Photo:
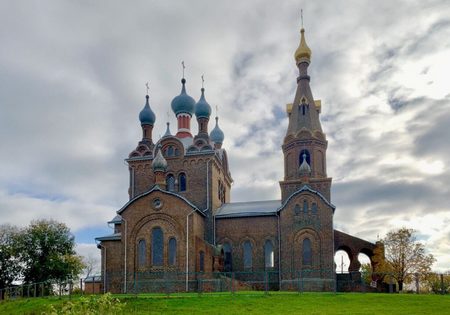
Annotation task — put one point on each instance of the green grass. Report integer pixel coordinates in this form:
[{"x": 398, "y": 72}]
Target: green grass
[{"x": 258, "y": 303}]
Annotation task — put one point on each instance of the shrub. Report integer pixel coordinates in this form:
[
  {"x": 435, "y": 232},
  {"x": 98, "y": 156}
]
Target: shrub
[{"x": 93, "y": 305}]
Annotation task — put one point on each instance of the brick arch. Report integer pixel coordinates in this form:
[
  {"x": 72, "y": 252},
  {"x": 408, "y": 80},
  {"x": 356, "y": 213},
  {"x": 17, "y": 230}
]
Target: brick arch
[
  {"x": 170, "y": 229},
  {"x": 353, "y": 246},
  {"x": 316, "y": 246}
]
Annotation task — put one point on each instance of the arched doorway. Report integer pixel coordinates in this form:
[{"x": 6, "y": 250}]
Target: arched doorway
[{"x": 342, "y": 261}]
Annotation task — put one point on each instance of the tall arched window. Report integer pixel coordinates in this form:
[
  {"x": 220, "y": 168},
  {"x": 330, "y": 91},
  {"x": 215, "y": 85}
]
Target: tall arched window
[
  {"x": 157, "y": 247},
  {"x": 314, "y": 208},
  {"x": 170, "y": 151},
  {"x": 268, "y": 254},
  {"x": 170, "y": 182},
  {"x": 202, "y": 261},
  {"x": 248, "y": 255},
  {"x": 307, "y": 252},
  {"x": 141, "y": 253},
  {"x": 305, "y": 206},
  {"x": 172, "y": 251},
  {"x": 182, "y": 182},
  {"x": 228, "y": 257}
]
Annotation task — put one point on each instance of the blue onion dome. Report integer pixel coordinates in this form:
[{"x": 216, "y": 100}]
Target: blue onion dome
[
  {"x": 202, "y": 108},
  {"x": 216, "y": 134},
  {"x": 159, "y": 162},
  {"x": 147, "y": 116},
  {"x": 183, "y": 103}
]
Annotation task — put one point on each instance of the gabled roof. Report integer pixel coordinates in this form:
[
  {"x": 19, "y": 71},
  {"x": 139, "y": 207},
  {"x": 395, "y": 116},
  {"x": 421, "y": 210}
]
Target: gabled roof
[
  {"x": 248, "y": 209},
  {"x": 157, "y": 188},
  {"x": 262, "y": 208},
  {"x": 112, "y": 237},
  {"x": 309, "y": 189}
]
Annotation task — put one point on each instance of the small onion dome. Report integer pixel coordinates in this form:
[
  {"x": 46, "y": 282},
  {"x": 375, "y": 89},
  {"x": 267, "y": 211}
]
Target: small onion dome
[
  {"x": 202, "y": 108},
  {"x": 183, "y": 103},
  {"x": 216, "y": 134},
  {"x": 304, "y": 168},
  {"x": 159, "y": 162},
  {"x": 303, "y": 51},
  {"x": 168, "y": 133},
  {"x": 147, "y": 116}
]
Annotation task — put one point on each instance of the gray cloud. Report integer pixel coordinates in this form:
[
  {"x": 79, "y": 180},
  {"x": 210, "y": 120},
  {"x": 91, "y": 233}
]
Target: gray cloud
[{"x": 72, "y": 80}]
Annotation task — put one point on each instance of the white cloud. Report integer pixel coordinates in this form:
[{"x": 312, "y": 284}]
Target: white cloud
[{"x": 72, "y": 84}]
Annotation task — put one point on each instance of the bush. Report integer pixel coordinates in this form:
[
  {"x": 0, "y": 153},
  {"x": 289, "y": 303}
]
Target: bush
[{"x": 93, "y": 305}]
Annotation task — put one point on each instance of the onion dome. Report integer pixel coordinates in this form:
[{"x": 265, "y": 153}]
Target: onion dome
[
  {"x": 183, "y": 103},
  {"x": 159, "y": 162},
  {"x": 202, "y": 108},
  {"x": 303, "y": 52},
  {"x": 216, "y": 134},
  {"x": 147, "y": 116},
  {"x": 168, "y": 133},
  {"x": 304, "y": 168}
]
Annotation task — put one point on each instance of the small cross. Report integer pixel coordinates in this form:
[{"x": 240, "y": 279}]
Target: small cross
[
  {"x": 148, "y": 87},
  {"x": 301, "y": 16},
  {"x": 203, "y": 81},
  {"x": 182, "y": 64}
]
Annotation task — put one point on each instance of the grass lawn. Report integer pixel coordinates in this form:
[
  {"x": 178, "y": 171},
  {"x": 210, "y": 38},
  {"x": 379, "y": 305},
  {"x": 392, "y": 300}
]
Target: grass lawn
[{"x": 258, "y": 303}]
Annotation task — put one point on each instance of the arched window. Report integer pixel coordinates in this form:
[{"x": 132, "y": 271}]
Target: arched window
[
  {"x": 304, "y": 153},
  {"x": 307, "y": 252},
  {"x": 227, "y": 257},
  {"x": 157, "y": 247},
  {"x": 314, "y": 208},
  {"x": 305, "y": 206},
  {"x": 177, "y": 152},
  {"x": 268, "y": 254},
  {"x": 202, "y": 261},
  {"x": 297, "y": 209},
  {"x": 248, "y": 259},
  {"x": 170, "y": 182},
  {"x": 182, "y": 182},
  {"x": 172, "y": 251},
  {"x": 141, "y": 253},
  {"x": 170, "y": 151}
]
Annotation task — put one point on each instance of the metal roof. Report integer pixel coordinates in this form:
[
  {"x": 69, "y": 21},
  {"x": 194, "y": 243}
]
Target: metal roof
[
  {"x": 116, "y": 220},
  {"x": 248, "y": 209},
  {"x": 112, "y": 237}
]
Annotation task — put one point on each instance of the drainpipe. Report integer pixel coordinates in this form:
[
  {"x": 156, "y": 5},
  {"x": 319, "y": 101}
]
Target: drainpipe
[
  {"x": 104, "y": 266},
  {"x": 187, "y": 250},
  {"x": 125, "y": 258},
  {"x": 279, "y": 250}
]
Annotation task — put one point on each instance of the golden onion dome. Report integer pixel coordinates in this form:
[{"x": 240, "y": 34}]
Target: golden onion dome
[{"x": 303, "y": 51}]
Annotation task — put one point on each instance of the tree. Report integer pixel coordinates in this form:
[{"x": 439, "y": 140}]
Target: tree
[
  {"x": 404, "y": 256},
  {"x": 46, "y": 249},
  {"x": 90, "y": 264},
  {"x": 10, "y": 267}
]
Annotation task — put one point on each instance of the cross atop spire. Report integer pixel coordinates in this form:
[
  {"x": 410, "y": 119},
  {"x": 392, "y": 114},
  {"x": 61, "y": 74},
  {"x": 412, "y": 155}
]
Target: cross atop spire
[
  {"x": 182, "y": 64},
  {"x": 301, "y": 16},
  {"x": 148, "y": 87},
  {"x": 203, "y": 80}
]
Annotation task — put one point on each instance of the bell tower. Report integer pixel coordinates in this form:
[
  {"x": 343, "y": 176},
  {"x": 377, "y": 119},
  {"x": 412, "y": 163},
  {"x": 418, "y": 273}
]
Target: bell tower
[{"x": 304, "y": 146}]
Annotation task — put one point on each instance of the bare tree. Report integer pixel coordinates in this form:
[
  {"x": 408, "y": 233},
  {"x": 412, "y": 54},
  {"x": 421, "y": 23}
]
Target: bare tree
[{"x": 91, "y": 264}]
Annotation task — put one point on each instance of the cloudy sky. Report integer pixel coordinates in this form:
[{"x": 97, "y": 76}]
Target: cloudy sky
[{"x": 72, "y": 83}]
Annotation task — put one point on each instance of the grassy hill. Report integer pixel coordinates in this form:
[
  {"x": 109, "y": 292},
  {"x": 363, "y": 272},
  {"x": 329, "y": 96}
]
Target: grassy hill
[{"x": 242, "y": 303}]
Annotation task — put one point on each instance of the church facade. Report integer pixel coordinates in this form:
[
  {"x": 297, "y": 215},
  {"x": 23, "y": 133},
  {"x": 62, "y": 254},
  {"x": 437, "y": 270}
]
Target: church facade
[{"x": 179, "y": 218}]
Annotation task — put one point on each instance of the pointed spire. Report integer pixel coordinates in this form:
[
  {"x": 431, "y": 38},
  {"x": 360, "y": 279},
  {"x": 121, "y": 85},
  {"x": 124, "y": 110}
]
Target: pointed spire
[{"x": 168, "y": 133}]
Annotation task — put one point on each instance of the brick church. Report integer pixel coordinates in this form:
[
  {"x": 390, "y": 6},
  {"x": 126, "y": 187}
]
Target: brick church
[{"x": 179, "y": 217}]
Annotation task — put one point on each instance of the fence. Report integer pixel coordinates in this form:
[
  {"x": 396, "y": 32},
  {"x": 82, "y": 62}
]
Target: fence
[{"x": 169, "y": 282}]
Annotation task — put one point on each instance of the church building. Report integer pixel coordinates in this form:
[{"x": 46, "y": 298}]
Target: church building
[{"x": 179, "y": 221}]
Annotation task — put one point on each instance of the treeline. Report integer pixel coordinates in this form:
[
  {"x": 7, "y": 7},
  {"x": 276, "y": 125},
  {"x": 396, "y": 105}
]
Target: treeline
[{"x": 42, "y": 251}]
